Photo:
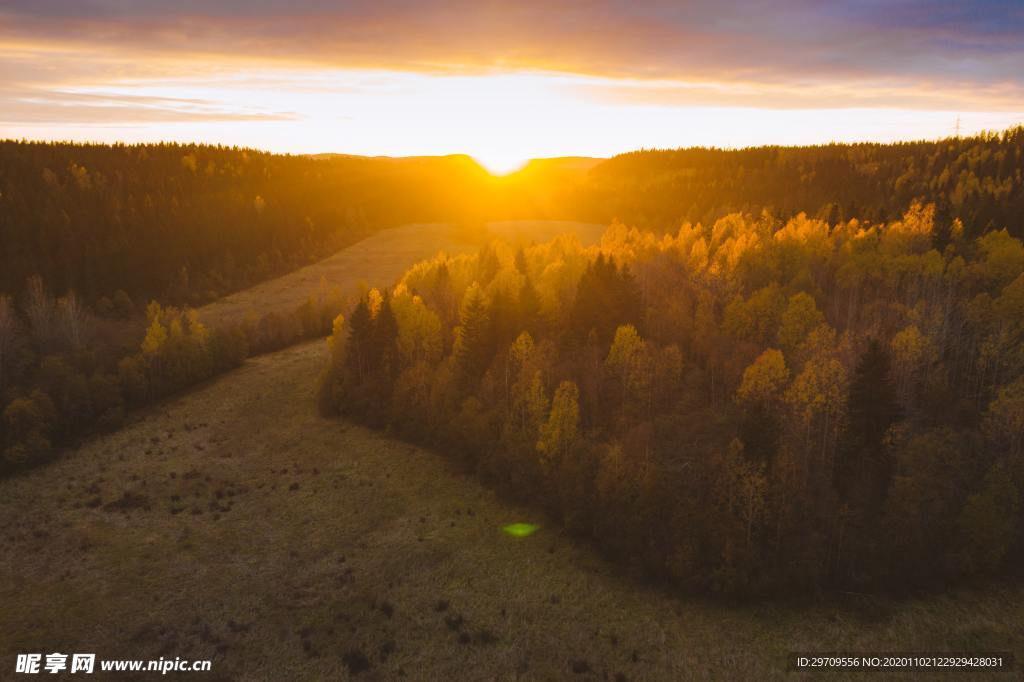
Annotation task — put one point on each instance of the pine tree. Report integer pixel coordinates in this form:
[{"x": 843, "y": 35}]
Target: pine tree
[
  {"x": 384, "y": 340},
  {"x": 872, "y": 404},
  {"x": 488, "y": 265},
  {"x": 520, "y": 261},
  {"x": 360, "y": 333},
  {"x": 472, "y": 353},
  {"x": 502, "y": 320},
  {"x": 529, "y": 307},
  {"x": 863, "y": 468},
  {"x": 606, "y": 297}
]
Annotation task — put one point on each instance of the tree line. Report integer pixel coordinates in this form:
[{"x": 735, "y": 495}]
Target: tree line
[
  {"x": 750, "y": 405},
  {"x": 188, "y": 223},
  {"x": 977, "y": 179},
  {"x": 66, "y": 373}
]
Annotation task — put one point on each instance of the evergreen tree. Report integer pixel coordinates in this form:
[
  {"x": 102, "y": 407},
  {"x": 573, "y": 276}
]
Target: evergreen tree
[
  {"x": 864, "y": 468},
  {"x": 488, "y": 265},
  {"x": 360, "y": 340},
  {"x": 606, "y": 297},
  {"x": 384, "y": 341},
  {"x": 472, "y": 352},
  {"x": 502, "y": 319},
  {"x": 529, "y": 307},
  {"x": 520, "y": 261}
]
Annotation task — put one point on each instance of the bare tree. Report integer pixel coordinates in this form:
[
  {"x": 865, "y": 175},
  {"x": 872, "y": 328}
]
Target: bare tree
[
  {"x": 40, "y": 310},
  {"x": 10, "y": 336},
  {"x": 74, "y": 324}
]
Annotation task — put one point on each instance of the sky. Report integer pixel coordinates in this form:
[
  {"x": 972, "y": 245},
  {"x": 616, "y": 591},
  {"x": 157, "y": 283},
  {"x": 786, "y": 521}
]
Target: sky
[{"x": 507, "y": 81}]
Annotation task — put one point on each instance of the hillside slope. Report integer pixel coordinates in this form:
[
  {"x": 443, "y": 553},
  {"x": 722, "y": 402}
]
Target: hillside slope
[
  {"x": 380, "y": 259},
  {"x": 233, "y": 523}
]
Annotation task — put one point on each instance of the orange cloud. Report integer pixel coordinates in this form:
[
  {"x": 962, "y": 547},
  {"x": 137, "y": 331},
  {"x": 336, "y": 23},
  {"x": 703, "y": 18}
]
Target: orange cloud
[
  {"x": 424, "y": 76},
  {"x": 922, "y": 44}
]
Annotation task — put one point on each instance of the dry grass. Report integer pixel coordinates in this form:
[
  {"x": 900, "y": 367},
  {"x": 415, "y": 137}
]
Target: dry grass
[
  {"x": 234, "y": 523},
  {"x": 380, "y": 260}
]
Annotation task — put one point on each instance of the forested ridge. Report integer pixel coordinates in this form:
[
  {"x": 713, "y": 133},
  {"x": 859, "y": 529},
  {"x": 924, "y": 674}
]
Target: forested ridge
[
  {"x": 747, "y": 405},
  {"x": 192, "y": 222},
  {"x": 188, "y": 223},
  {"x": 977, "y": 179}
]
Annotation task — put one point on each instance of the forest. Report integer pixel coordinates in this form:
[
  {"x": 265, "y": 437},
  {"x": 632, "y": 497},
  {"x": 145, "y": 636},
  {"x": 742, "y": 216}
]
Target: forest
[
  {"x": 750, "y": 405},
  {"x": 861, "y": 360},
  {"x": 188, "y": 223},
  {"x": 977, "y": 179}
]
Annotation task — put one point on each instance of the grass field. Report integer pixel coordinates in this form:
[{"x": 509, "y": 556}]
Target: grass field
[
  {"x": 234, "y": 523},
  {"x": 381, "y": 259}
]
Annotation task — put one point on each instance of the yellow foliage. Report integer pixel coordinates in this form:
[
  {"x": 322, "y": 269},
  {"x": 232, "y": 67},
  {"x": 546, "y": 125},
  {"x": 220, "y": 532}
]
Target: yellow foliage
[
  {"x": 375, "y": 300},
  {"x": 764, "y": 379},
  {"x": 156, "y": 337},
  {"x": 561, "y": 430}
]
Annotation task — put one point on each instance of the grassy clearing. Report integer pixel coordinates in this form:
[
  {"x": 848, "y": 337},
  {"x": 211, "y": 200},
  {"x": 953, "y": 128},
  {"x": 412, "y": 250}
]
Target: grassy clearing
[
  {"x": 234, "y": 523},
  {"x": 380, "y": 260}
]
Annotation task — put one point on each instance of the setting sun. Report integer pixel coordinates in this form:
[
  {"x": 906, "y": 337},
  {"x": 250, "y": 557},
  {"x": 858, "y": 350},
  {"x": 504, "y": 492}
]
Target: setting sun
[{"x": 499, "y": 164}]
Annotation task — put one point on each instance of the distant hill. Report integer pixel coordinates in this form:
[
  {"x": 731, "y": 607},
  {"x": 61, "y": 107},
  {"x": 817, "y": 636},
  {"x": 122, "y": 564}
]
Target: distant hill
[
  {"x": 192, "y": 222},
  {"x": 188, "y": 223},
  {"x": 978, "y": 179}
]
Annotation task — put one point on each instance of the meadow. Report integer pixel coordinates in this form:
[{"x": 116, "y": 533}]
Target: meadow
[{"x": 233, "y": 523}]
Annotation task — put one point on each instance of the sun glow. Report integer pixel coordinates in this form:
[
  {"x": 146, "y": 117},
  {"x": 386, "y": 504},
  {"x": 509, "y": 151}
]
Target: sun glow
[
  {"x": 499, "y": 164},
  {"x": 502, "y": 119}
]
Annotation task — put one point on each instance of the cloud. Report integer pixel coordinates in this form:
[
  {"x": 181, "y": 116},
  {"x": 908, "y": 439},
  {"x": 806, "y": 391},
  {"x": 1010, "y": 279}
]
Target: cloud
[
  {"x": 708, "y": 40},
  {"x": 109, "y": 62},
  {"x": 28, "y": 106},
  {"x": 71, "y": 87},
  {"x": 862, "y": 94}
]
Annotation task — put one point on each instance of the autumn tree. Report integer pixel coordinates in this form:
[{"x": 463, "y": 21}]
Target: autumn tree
[
  {"x": 561, "y": 431},
  {"x": 799, "y": 318},
  {"x": 629, "y": 362},
  {"x": 760, "y": 397},
  {"x": 419, "y": 330},
  {"x": 1006, "y": 418}
]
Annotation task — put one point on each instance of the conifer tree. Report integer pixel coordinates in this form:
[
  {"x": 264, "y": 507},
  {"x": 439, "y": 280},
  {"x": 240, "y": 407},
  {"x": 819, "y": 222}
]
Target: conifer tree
[
  {"x": 384, "y": 340},
  {"x": 360, "y": 339},
  {"x": 520, "y": 261},
  {"x": 529, "y": 306},
  {"x": 472, "y": 354},
  {"x": 864, "y": 467}
]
